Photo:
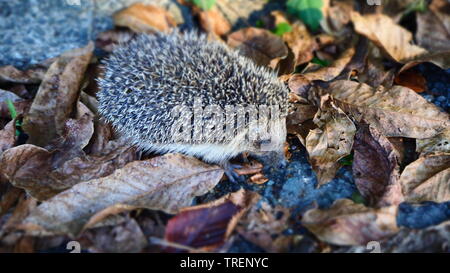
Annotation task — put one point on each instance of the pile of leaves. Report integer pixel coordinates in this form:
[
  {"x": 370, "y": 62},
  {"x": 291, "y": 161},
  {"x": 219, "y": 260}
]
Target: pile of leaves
[{"x": 356, "y": 100}]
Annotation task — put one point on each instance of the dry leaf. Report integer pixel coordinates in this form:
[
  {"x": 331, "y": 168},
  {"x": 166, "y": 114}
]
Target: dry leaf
[
  {"x": 395, "y": 112},
  {"x": 427, "y": 179},
  {"x": 166, "y": 183},
  {"x": 212, "y": 21},
  {"x": 433, "y": 27},
  {"x": 348, "y": 223},
  {"x": 11, "y": 74},
  {"x": 438, "y": 143},
  {"x": 7, "y": 136},
  {"x": 144, "y": 18},
  {"x": 299, "y": 40},
  {"x": 300, "y": 83},
  {"x": 57, "y": 96},
  {"x": 376, "y": 168},
  {"x": 260, "y": 45},
  {"x": 264, "y": 226},
  {"x": 411, "y": 79},
  {"x": 331, "y": 141},
  {"x": 208, "y": 226},
  {"x": 386, "y": 34},
  {"x": 441, "y": 59}
]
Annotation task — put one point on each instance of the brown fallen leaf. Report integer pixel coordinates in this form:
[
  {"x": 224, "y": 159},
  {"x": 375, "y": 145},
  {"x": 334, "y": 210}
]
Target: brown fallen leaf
[
  {"x": 299, "y": 40},
  {"x": 260, "y": 45},
  {"x": 395, "y": 112},
  {"x": 124, "y": 237},
  {"x": 57, "y": 96},
  {"x": 206, "y": 227},
  {"x": 44, "y": 173},
  {"x": 300, "y": 83},
  {"x": 21, "y": 106},
  {"x": 427, "y": 179},
  {"x": 166, "y": 183},
  {"x": 393, "y": 39},
  {"x": 433, "y": 27},
  {"x": 331, "y": 141},
  {"x": 438, "y": 143},
  {"x": 7, "y": 136},
  {"x": 253, "y": 167},
  {"x": 258, "y": 179},
  {"x": 11, "y": 74},
  {"x": 348, "y": 223},
  {"x": 337, "y": 17},
  {"x": 376, "y": 168},
  {"x": 411, "y": 79},
  {"x": 212, "y": 21},
  {"x": 144, "y": 18},
  {"x": 441, "y": 59},
  {"x": 264, "y": 226}
]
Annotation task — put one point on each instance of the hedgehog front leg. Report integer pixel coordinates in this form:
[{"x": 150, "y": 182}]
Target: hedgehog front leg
[{"x": 232, "y": 175}]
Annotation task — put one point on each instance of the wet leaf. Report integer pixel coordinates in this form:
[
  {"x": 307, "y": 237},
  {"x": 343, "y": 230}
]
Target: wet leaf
[
  {"x": 57, "y": 96},
  {"x": 386, "y": 34},
  {"x": 144, "y": 18},
  {"x": 376, "y": 168},
  {"x": 208, "y": 226},
  {"x": 427, "y": 179},
  {"x": 331, "y": 141},
  {"x": 166, "y": 183},
  {"x": 260, "y": 45},
  {"x": 347, "y": 223},
  {"x": 395, "y": 112}
]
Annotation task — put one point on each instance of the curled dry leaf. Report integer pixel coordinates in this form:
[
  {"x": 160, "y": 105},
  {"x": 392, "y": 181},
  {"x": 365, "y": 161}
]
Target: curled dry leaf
[
  {"x": 438, "y": 143},
  {"x": 395, "y": 112},
  {"x": 11, "y": 74},
  {"x": 393, "y": 39},
  {"x": 260, "y": 45},
  {"x": 301, "y": 83},
  {"x": 208, "y": 226},
  {"x": 412, "y": 80},
  {"x": 376, "y": 168},
  {"x": 166, "y": 183},
  {"x": 264, "y": 226},
  {"x": 427, "y": 179},
  {"x": 57, "y": 96},
  {"x": 441, "y": 59},
  {"x": 433, "y": 27},
  {"x": 348, "y": 223},
  {"x": 144, "y": 18},
  {"x": 331, "y": 141},
  {"x": 46, "y": 172}
]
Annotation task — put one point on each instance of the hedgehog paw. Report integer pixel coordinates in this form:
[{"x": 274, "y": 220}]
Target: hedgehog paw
[{"x": 232, "y": 175}]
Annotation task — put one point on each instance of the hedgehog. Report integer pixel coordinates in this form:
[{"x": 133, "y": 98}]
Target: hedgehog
[{"x": 180, "y": 92}]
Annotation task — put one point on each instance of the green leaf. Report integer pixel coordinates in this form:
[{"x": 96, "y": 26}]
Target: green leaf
[
  {"x": 282, "y": 28},
  {"x": 309, "y": 11},
  {"x": 320, "y": 62},
  {"x": 204, "y": 4},
  {"x": 11, "y": 108},
  {"x": 357, "y": 198}
]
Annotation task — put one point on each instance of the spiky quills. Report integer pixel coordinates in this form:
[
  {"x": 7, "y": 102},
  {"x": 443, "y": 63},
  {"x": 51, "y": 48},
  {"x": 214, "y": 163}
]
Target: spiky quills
[{"x": 146, "y": 78}]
